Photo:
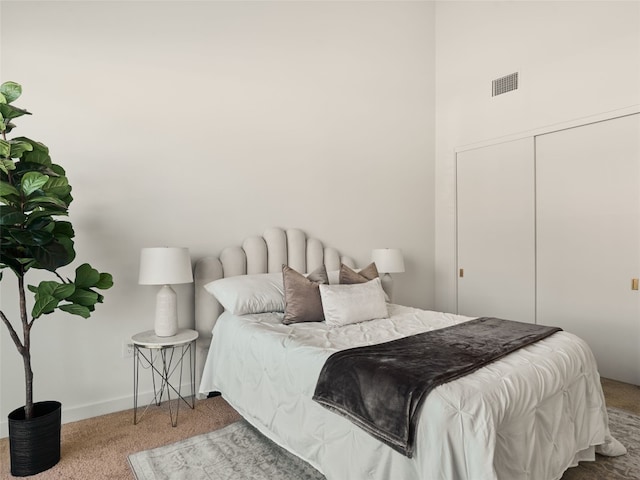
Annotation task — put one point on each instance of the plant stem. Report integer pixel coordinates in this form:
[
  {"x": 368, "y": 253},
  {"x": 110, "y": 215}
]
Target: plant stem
[
  {"x": 26, "y": 351},
  {"x": 12, "y": 332}
]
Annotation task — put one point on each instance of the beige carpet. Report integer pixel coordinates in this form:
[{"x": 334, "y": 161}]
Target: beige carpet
[{"x": 97, "y": 448}]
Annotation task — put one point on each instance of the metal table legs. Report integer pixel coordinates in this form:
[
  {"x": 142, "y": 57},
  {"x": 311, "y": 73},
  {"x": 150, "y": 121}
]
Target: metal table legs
[{"x": 164, "y": 362}]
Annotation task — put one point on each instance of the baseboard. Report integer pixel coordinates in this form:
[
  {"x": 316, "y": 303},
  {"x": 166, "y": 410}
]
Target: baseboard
[{"x": 82, "y": 412}]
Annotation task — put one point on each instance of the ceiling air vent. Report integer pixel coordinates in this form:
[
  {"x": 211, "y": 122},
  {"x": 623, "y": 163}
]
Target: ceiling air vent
[{"x": 504, "y": 84}]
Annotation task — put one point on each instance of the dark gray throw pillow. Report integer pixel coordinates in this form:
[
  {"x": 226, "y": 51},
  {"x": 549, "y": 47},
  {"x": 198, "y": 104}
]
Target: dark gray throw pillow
[{"x": 302, "y": 302}]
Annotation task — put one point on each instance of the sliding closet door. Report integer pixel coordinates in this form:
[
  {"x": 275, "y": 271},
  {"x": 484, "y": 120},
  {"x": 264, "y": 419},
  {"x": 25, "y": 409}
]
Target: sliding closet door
[
  {"x": 495, "y": 225},
  {"x": 588, "y": 239}
]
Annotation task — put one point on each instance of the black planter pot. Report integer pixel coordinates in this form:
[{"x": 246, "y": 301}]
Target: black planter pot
[{"x": 34, "y": 444}]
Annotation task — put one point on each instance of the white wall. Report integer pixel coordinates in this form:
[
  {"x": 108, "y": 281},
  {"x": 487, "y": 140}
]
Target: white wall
[
  {"x": 576, "y": 59},
  {"x": 199, "y": 123}
]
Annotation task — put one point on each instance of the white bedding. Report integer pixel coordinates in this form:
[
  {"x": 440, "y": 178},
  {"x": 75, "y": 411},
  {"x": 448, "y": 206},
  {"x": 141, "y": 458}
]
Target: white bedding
[{"x": 530, "y": 415}]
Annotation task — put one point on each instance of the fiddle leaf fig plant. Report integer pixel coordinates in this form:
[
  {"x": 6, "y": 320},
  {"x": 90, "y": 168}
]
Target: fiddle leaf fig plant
[{"x": 34, "y": 195}]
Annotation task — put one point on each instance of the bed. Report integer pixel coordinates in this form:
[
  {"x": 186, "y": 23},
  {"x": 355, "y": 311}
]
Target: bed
[{"x": 530, "y": 415}]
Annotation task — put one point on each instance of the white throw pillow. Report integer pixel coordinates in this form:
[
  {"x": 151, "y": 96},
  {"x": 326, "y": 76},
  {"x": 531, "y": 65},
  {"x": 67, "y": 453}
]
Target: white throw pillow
[
  {"x": 244, "y": 294},
  {"x": 358, "y": 302}
]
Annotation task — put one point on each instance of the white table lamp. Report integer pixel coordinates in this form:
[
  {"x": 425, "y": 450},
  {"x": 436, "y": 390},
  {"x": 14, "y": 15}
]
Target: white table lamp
[
  {"x": 165, "y": 266},
  {"x": 388, "y": 260}
]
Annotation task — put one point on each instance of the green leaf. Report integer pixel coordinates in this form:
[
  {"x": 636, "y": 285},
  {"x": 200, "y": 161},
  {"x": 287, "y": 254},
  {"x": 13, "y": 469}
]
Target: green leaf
[
  {"x": 58, "y": 170},
  {"x": 6, "y": 165},
  {"x": 45, "y": 224},
  {"x": 7, "y": 189},
  {"x": 86, "y": 276},
  {"x": 45, "y": 304},
  {"x": 36, "y": 220},
  {"x": 5, "y": 148},
  {"x": 44, "y": 201},
  {"x": 28, "y": 263},
  {"x": 13, "y": 264},
  {"x": 38, "y": 214},
  {"x": 3, "y": 99},
  {"x": 52, "y": 256},
  {"x": 11, "y": 91},
  {"x": 11, "y": 216},
  {"x": 32, "y": 181},
  {"x": 58, "y": 186},
  {"x": 67, "y": 244},
  {"x": 55, "y": 289},
  {"x": 62, "y": 228},
  {"x": 105, "y": 282},
  {"x": 86, "y": 298},
  {"x": 64, "y": 290},
  {"x": 9, "y": 111},
  {"x": 8, "y": 126},
  {"x": 18, "y": 148},
  {"x": 32, "y": 238},
  {"x": 39, "y": 154},
  {"x": 74, "y": 309},
  {"x": 67, "y": 200}
]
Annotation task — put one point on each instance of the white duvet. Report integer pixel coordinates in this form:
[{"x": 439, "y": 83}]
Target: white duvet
[{"x": 530, "y": 415}]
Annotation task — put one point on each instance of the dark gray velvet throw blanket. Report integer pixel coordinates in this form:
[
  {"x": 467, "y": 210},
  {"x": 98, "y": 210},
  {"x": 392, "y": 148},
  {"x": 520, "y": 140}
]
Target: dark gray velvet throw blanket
[{"x": 381, "y": 387}]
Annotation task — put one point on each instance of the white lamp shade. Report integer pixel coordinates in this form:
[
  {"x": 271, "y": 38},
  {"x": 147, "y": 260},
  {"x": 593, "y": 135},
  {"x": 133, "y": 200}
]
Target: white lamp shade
[
  {"x": 165, "y": 266},
  {"x": 388, "y": 260}
]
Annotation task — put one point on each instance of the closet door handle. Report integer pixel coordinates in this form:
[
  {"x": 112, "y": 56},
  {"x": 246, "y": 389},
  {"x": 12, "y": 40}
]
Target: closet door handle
[
  {"x": 462, "y": 273},
  {"x": 635, "y": 283}
]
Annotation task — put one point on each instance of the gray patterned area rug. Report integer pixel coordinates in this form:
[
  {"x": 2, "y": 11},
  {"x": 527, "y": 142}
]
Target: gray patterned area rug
[
  {"x": 235, "y": 452},
  {"x": 625, "y": 427},
  {"x": 240, "y": 452}
]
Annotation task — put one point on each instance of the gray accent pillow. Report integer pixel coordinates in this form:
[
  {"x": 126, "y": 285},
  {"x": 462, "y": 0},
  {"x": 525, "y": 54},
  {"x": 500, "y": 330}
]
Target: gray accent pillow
[
  {"x": 349, "y": 276},
  {"x": 302, "y": 302}
]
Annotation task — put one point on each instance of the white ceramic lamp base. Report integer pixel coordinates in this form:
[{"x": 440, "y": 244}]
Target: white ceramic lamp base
[
  {"x": 387, "y": 285},
  {"x": 166, "y": 323}
]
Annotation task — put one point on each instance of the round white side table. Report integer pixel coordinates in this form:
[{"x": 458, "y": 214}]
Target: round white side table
[{"x": 165, "y": 357}]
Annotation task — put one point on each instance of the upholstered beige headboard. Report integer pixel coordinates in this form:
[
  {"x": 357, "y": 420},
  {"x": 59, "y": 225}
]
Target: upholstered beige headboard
[{"x": 257, "y": 254}]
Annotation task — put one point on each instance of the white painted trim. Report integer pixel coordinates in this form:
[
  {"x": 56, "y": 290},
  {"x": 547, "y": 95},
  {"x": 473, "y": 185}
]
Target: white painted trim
[
  {"x": 631, "y": 110},
  {"x": 82, "y": 412}
]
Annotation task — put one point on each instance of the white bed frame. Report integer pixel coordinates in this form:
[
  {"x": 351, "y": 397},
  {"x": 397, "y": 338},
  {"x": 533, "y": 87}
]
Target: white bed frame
[{"x": 258, "y": 254}]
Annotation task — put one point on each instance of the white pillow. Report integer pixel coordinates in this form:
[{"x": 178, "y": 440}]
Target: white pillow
[
  {"x": 244, "y": 294},
  {"x": 358, "y": 302}
]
